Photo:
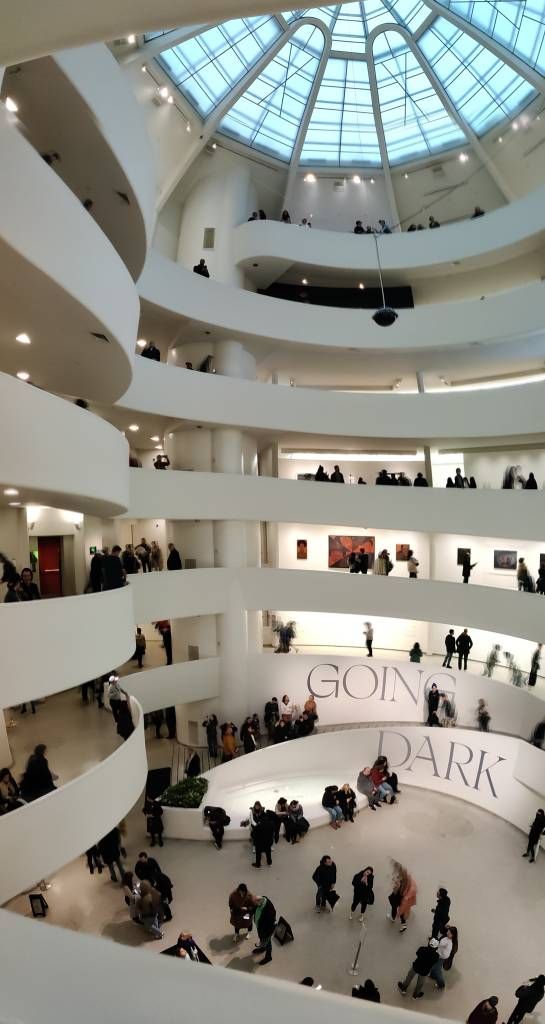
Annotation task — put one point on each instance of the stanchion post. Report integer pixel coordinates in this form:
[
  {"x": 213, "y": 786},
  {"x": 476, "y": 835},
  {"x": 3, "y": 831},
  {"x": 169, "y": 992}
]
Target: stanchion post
[{"x": 353, "y": 969}]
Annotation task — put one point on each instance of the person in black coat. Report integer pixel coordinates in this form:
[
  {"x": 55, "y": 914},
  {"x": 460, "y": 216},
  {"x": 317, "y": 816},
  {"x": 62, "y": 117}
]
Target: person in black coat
[
  {"x": 125, "y": 724},
  {"x": 211, "y": 725},
  {"x": 426, "y": 957},
  {"x": 154, "y": 820},
  {"x": 467, "y": 566},
  {"x": 265, "y": 921},
  {"x": 324, "y": 878},
  {"x": 434, "y": 697},
  {"x": 28, "y": 591},
  {"x": 362, "y": 561},
  {"x": 362, "y": 884},
  {"x": 174, "y": 560},
  {"x": 321, "y": 474},
  {"x": 109, "y": 848},
  {"x": 147, "y": 869},
  {"x": 38, "y": 779},
  {"x": 464, "y": 643},
  {"x": 151, "y": 352},
  {"x": 263, "y": 837},
  {"x": 201, "y": 269},
  {"x": 537, "y": 829},
  {"x": 420, "y": 481},
  {"x": 367, "y": 991},
  {"x": 336, "y": 476},
  {"x": 441, "y": 913},
  {"x": 528, "y": 997},
  {"x": 531, "y": 483},
  {"x": 216, "y": 819},
  {"x": 113, "y": 574},
  {"x": 450, "y": 648},
  {"x": 95, "y": 572},
  {"x": 192, "y": 765}
]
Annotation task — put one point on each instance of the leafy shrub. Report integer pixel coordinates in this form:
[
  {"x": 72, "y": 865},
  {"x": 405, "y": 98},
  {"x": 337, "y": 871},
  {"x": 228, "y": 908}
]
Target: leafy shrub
[{"x": 187, "y": 793}]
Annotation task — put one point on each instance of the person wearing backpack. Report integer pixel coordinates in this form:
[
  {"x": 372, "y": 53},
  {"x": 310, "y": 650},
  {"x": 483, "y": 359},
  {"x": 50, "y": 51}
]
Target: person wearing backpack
[{"x": 528, "y": 996}]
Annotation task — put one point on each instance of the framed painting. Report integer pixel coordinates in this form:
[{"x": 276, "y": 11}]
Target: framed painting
[
  {"x": 402, "y": 552},
  {"x": 462, "y": 552},
  {"x": 341, "y": 547},
  {"x": 302, "y": 550},
  {"x": 505, "y": 560}
]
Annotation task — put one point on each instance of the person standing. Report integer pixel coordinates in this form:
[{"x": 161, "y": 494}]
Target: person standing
[
  {"x": 216, "y": 819},
  {"x": 271, "y": 716},
  {"x": 166, "y": 634},
  {"x": 537, "y": 829},
  {"x": 28, "y": 591},
  {"x": 229, "y": 745},
  {"x": 336, "y": 476},
  {"x": 434, "y": 697},
  {"x": 116, "y": 696},
  {"x": 241, "y": 906},
  {"x": 211, "y": 725},
  {"x": 412, "y": 565},
  {"x": 362, "y": 884},
  {"x": 174, "y": 560},
  {"x": 464, "y": 643},
  {"x": 156, "y": 557},
  {"x": 441, "y": 913},
  {"x": 95, "y": 572},
  {"x": 403, "y": 896},
  {"x": 492, "y": 661},
  {"x": 325, "y": 877},
  {"x": 484, "y": 1012},
  {"x": 450, "y": 648},
  {"x": 38, "y": 778},
  {"x": 140, "y": 646},
  {"x": 151, "y": 352},
  {"x": 483, "y": 716},
  {"x": 458, "y": 479},
  {"x": 143, "y": 550},
  {"x": 154, "y": 820},
  {"x": 535, "y": 665},
  {"x": 528, "y": 996},
  {"x": 362, "y": 561},
  {"x": 113, "y": 573},
  {"x": 467, "y": 566},
  {"x": 129, "y": 561},
  {"x": 265, "y": 922},
  {"x": 192, "y": 765},
  {"x": 263, "y": 837},
  {"x": 444, "y": 950},
  {"x": 416, "y": 653},
  {"x": 109, "y": 848},
  {"x": 369, "y": 634},
  {"x": 426, "y": 957}
]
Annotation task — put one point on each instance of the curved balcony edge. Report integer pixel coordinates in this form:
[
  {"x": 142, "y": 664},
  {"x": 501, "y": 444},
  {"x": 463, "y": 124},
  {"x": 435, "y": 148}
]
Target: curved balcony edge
[
  {"x": 48, "y": 646},
  {"x": 181, "y": 683},
  {"x": 180, "y": 495},
  {"x": 61, "y": 455},
  {"x": 213, "y": 399},
  {"x": 43, "y": 836},
  {"x": 245, "y": 315}
]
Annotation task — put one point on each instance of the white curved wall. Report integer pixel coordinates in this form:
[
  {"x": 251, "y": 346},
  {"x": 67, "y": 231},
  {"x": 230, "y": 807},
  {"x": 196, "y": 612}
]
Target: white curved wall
[
  {"x": 188, "y": 495},
  {"x": 211, "y": 591},
  {"x": 209, "y": 398},
  {"x": 59, "y": 454},
  {"x": 480, "y": 768},
  {"x": 52, "y": 645},
  {"x": 181, "y": 683},
  {"x": 96, "y": 75},
  {"x": 61, "y": 275},
  {"x": 43, "y": 836},
  {"x": 498, "y": 236},
  {"x": 246, "y": 315}
]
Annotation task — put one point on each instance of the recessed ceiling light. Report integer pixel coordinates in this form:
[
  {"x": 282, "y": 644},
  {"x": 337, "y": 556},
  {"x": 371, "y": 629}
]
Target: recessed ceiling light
[
  {"x": 11, "y": 491},
  {"x": 372, "y": 180},
  {"x": 11, "y": 105},
  {"x": 361, "y": 285},
  {"x": 309, "y": 178},
  {"x": 131, "y": 40},
  {"x": 141, "y": 343},
  {"x": 23, "y": 375},
  {"x": 463, "y": 158},
  {"x": 14, "y": 504},
  {"x": 188, "y": 127},
  {"x": 155, "y": 438},
  {"x": 500, "y": 139},
  {"x": 214, "y": 145},
  {"x": 159, "y": 447},
  {"x": 23, "y": 339},
  {"x": 514, "y": 126},
  {"x": 144, "y": 68},
  {"x": 170, "y": 99},
  {"x": 304, "y": 281},
  {"x": 163, "y": 91},
  {"x": 406, "y": 176},
  {"x": 134, "y": 427},
  {"x": 356, "y": 179}
]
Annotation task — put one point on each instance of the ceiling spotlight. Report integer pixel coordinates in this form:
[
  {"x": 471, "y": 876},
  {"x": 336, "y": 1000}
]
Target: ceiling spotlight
[
  {"x": 163, "y": 91},
  {"x": 214, "y": 145},
  {"x": 170, "y": 99},
  {"x": 131, "y": 40},
  {"x": 141, "y": 343},
  {"x": 134, "y": 427},
  {"x": 372, "y": 180},
  {"x": 144, "y": 68},
  {"x": 23, "y": 339},
  {"x": 11, "y": 491},
  {"x": 361, "y": 285},
  {"x": 304, "y": 280},
  {"x": 356, "y": 179},
  {"x": 515, "y": 124},
  {"x": 500, "y": 139},
  {"x": 159, "y": 447},
  {"x": 11, "y": 105},
  {"x": 155, "y": 438},
  {"x": 14, "y": 504},
  {"x": 188, "y": 127},
  {"x": 309, "y": 178},
  {"x": 23, "y": 375},
  {"x": 463, "y": 158},
  {"x": 406, "y": 176}
]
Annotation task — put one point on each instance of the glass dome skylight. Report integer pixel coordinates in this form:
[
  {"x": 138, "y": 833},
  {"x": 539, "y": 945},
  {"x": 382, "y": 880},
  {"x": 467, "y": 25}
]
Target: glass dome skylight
[{"x": 358, "y": 84}]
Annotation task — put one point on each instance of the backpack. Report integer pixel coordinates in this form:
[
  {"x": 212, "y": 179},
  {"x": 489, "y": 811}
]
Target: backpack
[{"x": 283, "y": 932}]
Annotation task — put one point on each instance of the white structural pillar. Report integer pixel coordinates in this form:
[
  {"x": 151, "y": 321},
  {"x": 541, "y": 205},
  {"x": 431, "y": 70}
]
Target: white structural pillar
[{"x": 231, "y": 359}]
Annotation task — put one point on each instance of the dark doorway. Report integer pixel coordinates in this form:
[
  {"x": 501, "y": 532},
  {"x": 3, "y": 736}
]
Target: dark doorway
[{"x": 50, "y": 564}]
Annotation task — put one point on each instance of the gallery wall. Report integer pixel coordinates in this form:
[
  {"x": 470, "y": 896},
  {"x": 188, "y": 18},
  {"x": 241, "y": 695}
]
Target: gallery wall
[{"x": 292, "y": 468}]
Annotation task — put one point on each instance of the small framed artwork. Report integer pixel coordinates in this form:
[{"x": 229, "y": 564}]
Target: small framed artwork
[
  {"x": 463, "y": 553},
  {"x": 302, "y": 550},
  {"x": 505, "y": 560},
  {"x": 402, "y": 552}
]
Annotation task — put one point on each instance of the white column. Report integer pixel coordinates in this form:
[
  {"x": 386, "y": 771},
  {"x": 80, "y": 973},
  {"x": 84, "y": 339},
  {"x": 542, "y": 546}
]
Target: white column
[
  {"x": 227, "y": 450},
  {"x": 231, "y": 359},
  {"x": 6, "y": 757}
]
